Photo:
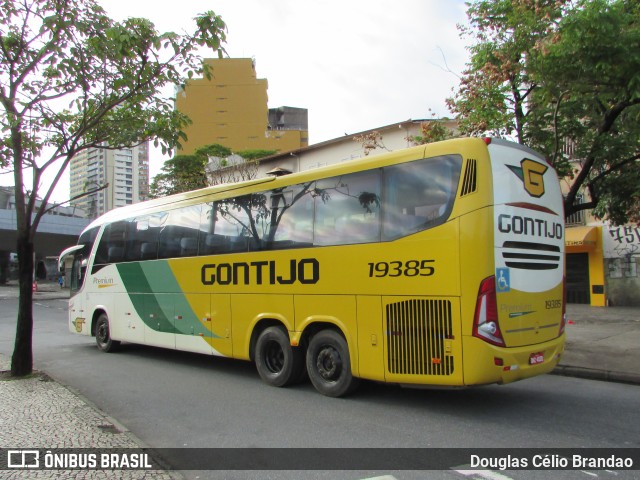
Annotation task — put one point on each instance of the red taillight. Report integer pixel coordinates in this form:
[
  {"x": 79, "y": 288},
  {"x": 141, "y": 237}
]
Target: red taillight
[
  {"x": 485, "y": 322},
  {"x": 487, "y": 140},
  {"x": 563, "y": 320}
]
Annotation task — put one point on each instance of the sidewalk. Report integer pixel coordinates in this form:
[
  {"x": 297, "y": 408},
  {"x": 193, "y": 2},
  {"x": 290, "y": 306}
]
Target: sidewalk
[
  {"x": 46, "y": 290},
  {"x": 37, "y": 412},
  {"x": 603, "y": 343}
]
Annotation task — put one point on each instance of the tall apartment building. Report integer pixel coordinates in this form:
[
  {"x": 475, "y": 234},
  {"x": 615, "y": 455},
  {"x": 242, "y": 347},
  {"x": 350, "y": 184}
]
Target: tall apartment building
[
  {"x": 231, "y": 109},
  {"x": 125, "y": 170}
]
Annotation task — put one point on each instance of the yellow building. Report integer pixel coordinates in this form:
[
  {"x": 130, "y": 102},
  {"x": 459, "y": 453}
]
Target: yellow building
[
  {"x": 585, "y": 265},
  {"x": 231, "y": 109}
]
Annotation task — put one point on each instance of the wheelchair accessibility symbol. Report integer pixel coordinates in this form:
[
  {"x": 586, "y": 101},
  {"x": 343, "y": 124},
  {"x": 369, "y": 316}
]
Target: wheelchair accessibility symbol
[{"x": 502, "y": 280}]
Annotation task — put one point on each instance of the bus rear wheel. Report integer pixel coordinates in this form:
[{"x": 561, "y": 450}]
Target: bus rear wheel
[
  {"x": 278, "y": 363},
  {"x": 328, "y": 364},
  {"x": 103, "y": 335}
]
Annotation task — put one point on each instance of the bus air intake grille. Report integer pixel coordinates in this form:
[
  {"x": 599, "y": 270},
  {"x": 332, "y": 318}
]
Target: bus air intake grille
[
  {"x": 417, "y": 331},
  {"x": 469, "y": 180},
  {"x": 531, "y": 256}
]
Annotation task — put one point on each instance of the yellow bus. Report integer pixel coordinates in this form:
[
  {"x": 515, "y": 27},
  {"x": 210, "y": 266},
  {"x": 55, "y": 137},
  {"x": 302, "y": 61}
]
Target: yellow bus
[{"x": 436, "y": 265}]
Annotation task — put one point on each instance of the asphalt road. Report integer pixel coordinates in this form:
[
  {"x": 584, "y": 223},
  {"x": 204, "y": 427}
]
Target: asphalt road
[{"x": 175, "y": 399}]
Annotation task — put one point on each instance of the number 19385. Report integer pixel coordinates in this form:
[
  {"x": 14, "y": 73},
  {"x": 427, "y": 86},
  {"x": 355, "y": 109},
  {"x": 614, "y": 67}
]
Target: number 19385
[{"x": 410, "y": 268}]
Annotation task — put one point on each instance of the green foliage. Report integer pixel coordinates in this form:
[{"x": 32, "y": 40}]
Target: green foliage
[
  {"x": 256, "y": 154},
  {"x": 180, "y": 174},
  {"x": 187, "y": 172},
  {"x": 496, "y": 85},
  {"x": 564, "y": 78},
  {"x": 214, "y": 150},
  {"x": 71, "y": 79},
  {"x": 432, "y": 131}
]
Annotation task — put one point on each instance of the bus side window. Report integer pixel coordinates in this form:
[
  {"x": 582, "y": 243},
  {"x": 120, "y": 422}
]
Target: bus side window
[
  {"x": 112, "y": 247},
  {"x": 168, "y": 242},
  {"x": 284, "y": 217},
  {"x": 419, "y": 195},
  {"x": 78, "y": 270},
  {"x": 348, "y": 209},
  {"x": 225, "y": 226},
  {"x": 179, "y": 235},
  {"x": 295, "y": 226}
]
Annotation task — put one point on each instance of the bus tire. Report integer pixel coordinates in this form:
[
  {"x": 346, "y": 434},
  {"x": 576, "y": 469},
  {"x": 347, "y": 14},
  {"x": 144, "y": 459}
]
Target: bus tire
[
  {"x": 328, "y": 364},
  {"x": 103, "y": 335},
  {"x": 278, "y": 363}
]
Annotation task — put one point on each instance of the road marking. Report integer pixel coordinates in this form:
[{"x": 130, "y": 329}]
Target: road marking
[
  {"x": 486, "y": 474},
  {"x": 384, "y": 477}
]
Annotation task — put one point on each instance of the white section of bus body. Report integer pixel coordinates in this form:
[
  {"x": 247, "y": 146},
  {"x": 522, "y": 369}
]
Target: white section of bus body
[
  {"x": 105, "y": 291},
  {"x": 528, "y": 219}
]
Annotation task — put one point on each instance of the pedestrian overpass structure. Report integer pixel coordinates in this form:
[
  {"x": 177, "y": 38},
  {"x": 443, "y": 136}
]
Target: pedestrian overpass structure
[{"x": 55, "y": 233}]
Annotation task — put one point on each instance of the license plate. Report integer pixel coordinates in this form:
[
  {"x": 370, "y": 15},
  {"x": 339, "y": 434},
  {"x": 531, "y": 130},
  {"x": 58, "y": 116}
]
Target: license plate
[{"x": 536, "y": 358}]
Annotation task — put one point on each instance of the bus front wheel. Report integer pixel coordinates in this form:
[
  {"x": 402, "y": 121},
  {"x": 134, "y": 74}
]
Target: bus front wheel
[
  {"x": 328, "y": 364},
  {"x": 103, "y": 336},
  {"x": 278, "y": 363}
]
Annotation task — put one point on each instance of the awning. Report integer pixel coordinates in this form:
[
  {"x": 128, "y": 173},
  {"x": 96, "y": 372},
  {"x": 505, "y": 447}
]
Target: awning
[{"x": 581, "y": 237}]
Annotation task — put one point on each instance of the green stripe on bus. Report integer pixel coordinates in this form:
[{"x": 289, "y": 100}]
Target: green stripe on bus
[
  {"x": 144, "y": 299},
  {"x": 161, "y": 279},
  {"x": 153, "y": 289}
]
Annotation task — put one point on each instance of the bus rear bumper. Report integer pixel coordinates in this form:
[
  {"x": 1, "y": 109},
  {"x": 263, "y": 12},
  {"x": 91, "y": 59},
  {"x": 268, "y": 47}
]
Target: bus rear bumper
[{"x": 486, "y": 364}]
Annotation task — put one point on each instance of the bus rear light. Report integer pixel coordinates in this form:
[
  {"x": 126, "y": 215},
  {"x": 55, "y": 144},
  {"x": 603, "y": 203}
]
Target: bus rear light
[
  {"x": 485, "y": 323},
  {"x": 487, "y": 140}
]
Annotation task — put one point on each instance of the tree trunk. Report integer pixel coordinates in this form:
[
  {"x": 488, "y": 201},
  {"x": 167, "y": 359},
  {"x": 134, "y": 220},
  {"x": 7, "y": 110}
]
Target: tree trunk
[
  {"x": 22, "y": 359},
  {"x": 4, "y": 266}
]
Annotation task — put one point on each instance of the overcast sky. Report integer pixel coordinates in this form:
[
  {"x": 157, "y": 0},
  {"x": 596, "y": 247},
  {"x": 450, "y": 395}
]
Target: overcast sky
[{"x": 354, "y": 64}]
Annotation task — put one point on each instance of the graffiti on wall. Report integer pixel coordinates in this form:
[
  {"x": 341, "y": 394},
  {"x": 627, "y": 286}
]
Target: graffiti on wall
[
  {"x": 622, "y": 249},
  {"x": 621, "y": 241}
]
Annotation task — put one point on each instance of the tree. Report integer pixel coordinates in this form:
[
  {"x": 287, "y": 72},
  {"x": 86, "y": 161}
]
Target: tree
[
  {"x": 179, "y": 174},
  {"x": 370, "y": 141},
  {"x": 496, "y": 85},
  {"x": 561, "y": 75},
  {"x": 209, "y": 165},
  {"x": 235, "y": 167},
  {"x": 432, "y": 130},
  {"x": 231, "y": 169},
  {"x": 72, "y": 79}
]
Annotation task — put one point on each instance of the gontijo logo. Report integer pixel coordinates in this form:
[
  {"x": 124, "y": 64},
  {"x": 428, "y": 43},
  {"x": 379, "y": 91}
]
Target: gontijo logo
[{"x": 531, "y": 173}]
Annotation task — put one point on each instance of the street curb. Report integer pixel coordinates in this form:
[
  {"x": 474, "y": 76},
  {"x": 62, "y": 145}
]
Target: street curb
[{"x": 594, "y": 374}]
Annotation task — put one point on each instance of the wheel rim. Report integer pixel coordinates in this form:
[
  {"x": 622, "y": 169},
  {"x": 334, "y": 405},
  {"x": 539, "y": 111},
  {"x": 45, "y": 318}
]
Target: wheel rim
[
  {"x": 274, "y": 357},
  {"x": 103, "y": 333},
  {"x": 329, "y": 364}
]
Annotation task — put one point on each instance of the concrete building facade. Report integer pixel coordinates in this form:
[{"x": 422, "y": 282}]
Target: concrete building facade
[
  {"x": 349, "y": 147},
  {"x": 231, "y": 109},
  {"x": 126, "y": 171},
  {"x": 58, "y": 229}
]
